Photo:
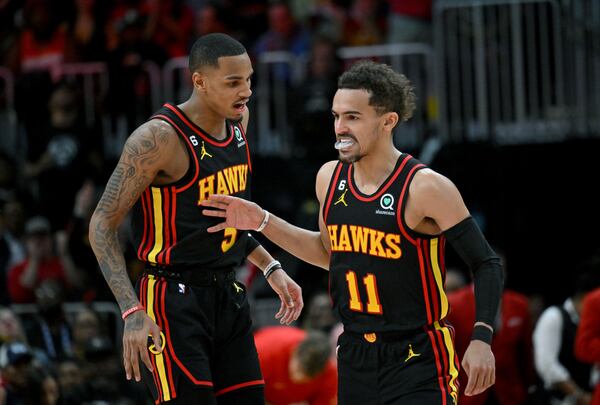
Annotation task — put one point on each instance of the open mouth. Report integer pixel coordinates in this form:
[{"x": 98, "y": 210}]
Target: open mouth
[
  {"x": 240, "y": 106},
  {"x": 344, "y": 143}
]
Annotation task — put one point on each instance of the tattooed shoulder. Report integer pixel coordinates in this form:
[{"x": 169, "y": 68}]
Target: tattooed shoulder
[{"x": 148, "y": 138}]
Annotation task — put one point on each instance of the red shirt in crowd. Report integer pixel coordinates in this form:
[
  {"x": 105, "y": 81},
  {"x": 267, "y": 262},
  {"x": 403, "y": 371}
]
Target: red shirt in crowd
[
  {"x": 587, "y": 342},
  {"x": 275, "y": 346},
  {"x": 511, "y": 346},
  {"x": 48, "y": 269}
]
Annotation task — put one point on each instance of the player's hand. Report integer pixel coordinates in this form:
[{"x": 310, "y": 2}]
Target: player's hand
[
  {"x": 480, "y": 366},
  {"x": 290, "y": 295},
  {"x": 138, "y": 326},
  {"x": 236, "y": 212}
]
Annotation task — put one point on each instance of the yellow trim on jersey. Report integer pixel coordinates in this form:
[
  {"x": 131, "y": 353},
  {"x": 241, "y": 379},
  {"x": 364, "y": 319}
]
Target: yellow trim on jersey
[
  {"x": 437, "y": 272},
  {"x": 450, "y": 348},
  {"x": 159, "y": 358},
  {"x": 158, "y": 224}
]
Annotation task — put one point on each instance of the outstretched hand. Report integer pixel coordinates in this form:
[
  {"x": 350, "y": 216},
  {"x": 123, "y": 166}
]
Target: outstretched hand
[
  {"x": 290, "y": 295},
  {"x": 480, "y": 366},
  {"x": 138, "y": 326},
  {"x": 236, "y": 212}
]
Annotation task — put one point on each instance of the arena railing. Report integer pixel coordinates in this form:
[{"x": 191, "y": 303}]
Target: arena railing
[
  {"x": 9, "y": 141},
  {"x": 514, "y": 71},
  {"x": 109, "y": 313}
]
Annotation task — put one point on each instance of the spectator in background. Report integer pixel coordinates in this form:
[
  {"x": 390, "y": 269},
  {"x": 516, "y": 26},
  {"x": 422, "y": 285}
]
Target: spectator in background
[
  {"x": 455, "y": 280},
  {"x": 86, "y": 37},
  {"x": 86, "y": 326},
  {"x": 94, "y": 286},
  {"x": 363, "y": 26},
  {"x": 129, "y": 94},
  {"x": 11, "y": 329},
  {"x": 565, "y": 378},
  {"x": 296, "y": 366},
  {"x": 284, "y": 34},
  {"x": 42, "y": 387},
  {"x": 41, "y": 264},
  {"x": 511, "y": 346},
  {"x": 587, "y": 341},
  {"x": 319, "y": 314},
  {"x": 43, "y": 42},
  {"x": 210, "y": 19},
  {"x": 15, "y": 362},
  {"x": 61, "y": 156},
  {"x": 409, "y": 21},
  {"x": 104, "y": 375},
  {"x": 170, "y": 26},
  {"x": 71, "y": 382},
  {"x": 48, "y": 330},
  {"x": 12, "y": 249},
  {"x": 311, "y": 103}
]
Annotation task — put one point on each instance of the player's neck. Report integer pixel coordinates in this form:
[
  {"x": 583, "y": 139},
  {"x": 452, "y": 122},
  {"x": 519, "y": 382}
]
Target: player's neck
[
  {"x": 373, "y": 169},
  {"x": 201, "y": 115}
]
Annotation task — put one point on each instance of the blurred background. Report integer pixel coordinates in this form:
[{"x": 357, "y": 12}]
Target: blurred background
[{"x": 508, "y": 108}]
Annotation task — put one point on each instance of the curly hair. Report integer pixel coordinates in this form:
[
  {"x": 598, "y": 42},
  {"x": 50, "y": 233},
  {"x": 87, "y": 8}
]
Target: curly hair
[{"x": 390, "y": 91}]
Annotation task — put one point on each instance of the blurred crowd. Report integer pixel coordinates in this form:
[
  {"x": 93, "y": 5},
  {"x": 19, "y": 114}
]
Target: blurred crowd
[{"x": 55, "y": 353}]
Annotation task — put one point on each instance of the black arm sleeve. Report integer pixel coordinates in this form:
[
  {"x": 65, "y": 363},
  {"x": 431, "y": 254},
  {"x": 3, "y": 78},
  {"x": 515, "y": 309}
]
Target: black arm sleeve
[
  {"x": 470, "y": 244},
  {"x": 251, "y": 244}
]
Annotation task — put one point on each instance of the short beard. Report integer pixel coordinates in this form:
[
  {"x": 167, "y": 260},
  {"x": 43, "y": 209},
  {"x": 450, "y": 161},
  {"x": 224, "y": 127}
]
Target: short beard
[{"x": 350, "y": 159}]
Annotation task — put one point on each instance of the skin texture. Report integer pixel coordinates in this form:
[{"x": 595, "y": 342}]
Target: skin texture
[
  {"x": 434, "y": 203},
  {"x": 155, "y": 155}
]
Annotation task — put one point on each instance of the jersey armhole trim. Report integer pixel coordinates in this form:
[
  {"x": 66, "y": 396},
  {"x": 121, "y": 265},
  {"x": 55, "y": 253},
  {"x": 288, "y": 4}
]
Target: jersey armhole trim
[
  {"x": 190, "y": 150},
  {"x": 408, "y": 233},
  {"x": 330, "y": 191}
]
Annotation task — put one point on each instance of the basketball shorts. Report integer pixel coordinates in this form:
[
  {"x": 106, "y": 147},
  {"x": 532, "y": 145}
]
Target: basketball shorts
[
  {"x": 398, "y": 368},
  {"x": 205, "y": 324}
]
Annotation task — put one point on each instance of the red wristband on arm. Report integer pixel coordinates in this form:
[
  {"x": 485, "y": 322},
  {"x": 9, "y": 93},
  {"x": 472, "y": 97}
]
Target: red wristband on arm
[{"x": 130, "y": 311}]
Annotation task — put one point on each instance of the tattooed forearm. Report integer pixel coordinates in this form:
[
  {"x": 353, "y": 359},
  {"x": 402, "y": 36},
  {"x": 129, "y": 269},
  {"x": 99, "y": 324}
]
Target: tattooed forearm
[{"x": 139, "y": 163}]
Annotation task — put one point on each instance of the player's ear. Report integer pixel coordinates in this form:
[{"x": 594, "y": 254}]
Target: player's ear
[
  {"x": 199, "y": 81},
  {"x": 390, "y": 120}
]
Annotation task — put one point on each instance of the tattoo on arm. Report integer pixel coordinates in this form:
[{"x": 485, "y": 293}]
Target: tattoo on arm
[{"x": 135, "y": 171}]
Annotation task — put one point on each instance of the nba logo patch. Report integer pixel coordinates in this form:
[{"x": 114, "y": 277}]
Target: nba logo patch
[{"x": 181, "y": 288}]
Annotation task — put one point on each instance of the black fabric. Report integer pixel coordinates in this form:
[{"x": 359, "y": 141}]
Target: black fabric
[
  {"x": 470, "y": 244},
  {"x": 251, "y": 244},
  {"x": 412, "y": 370},
  {"x": 207, "y": 330},
  {"x": 482, "y": 333},
  {"x": 580, "y": 372},
  {"x": 247, "y": 396}
]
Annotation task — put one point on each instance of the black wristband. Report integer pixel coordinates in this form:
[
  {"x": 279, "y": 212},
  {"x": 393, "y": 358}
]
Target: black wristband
[
  {"x": 482, "y": 333},
  {"x": 272, "y": 270}
]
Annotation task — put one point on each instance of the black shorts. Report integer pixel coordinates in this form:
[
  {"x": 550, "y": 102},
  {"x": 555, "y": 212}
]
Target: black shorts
[
  {"x": 399, "y": 368},
  {"x": 205, "y": 324}
]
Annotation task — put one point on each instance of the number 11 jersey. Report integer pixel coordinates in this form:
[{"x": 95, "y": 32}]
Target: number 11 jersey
[{"x": 383, "y": 275}]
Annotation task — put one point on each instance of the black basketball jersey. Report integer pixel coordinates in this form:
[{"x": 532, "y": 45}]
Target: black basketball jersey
[
  {"x": 168, "y": 225},
  {"x": 383, "y": 275}
]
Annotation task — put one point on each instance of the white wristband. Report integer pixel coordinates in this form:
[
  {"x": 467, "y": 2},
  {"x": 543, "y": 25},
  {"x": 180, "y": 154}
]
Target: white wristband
[
  {"x": 264, "y": 222},
  {"x": 274, "y": 263}
]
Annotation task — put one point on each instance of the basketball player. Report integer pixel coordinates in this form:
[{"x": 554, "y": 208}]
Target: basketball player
[
  {"x": 384, "y": 222},
  {"x": 188, "y": 300}
]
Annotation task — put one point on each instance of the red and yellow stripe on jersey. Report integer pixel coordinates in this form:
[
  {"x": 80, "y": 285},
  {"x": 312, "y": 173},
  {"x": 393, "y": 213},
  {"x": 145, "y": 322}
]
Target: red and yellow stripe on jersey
[{"x": 160, "y": 235}]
